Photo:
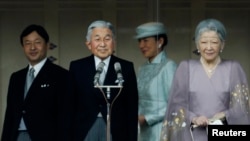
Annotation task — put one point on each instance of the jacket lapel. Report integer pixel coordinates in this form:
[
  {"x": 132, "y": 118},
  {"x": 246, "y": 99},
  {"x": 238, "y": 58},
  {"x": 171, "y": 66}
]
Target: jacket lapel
[{"x": 39, "y": 80}]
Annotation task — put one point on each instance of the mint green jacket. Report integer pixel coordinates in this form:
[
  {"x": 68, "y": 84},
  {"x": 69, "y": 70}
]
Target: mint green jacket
[{"x": 154, "y": 81}]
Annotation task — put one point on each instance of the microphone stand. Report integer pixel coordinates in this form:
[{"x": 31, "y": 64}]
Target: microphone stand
[{"x": 108, "y": 87}]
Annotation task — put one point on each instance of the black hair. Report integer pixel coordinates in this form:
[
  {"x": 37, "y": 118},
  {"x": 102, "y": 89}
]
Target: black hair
[
  {"x": 164, "y": 36},
  {"x": 33, "y": 27},
  {"x": 157, "y": 37}
]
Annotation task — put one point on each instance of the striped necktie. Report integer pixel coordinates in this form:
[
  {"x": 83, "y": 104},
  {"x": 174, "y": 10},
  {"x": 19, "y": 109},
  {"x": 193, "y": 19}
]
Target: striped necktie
[
  {"x": 29, "y": 79},
  {"x": 102, "y": 76}
]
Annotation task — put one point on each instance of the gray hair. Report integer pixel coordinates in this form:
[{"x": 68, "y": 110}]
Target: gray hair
[
  {"x": 210, "y": 25},
  {"x": 99, "y": 23}
]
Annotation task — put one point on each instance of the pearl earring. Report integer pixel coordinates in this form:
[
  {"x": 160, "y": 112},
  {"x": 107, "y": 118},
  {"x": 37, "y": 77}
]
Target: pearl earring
[{"x": 221, "y": 51}]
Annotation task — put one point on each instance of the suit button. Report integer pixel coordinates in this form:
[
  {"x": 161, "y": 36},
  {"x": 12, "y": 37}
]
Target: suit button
[{"x": 24, "y": 112}]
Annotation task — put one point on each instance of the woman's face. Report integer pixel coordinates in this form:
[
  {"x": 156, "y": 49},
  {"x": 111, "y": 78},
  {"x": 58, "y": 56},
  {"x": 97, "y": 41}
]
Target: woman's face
[
  {"x": 210, "y": 45},
  {"x": 149, "y": 47}
]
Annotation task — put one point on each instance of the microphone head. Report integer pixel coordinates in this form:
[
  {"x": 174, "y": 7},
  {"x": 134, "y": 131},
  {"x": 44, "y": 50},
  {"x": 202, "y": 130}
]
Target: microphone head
[
  {"x": 118, "y": 70},
  {"x": 100, "y": 67},
  {"x": 117, "y": 66}
]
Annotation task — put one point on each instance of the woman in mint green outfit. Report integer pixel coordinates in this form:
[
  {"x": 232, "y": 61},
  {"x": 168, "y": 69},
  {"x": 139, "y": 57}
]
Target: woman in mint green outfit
[{"x": 154, "y": 79}]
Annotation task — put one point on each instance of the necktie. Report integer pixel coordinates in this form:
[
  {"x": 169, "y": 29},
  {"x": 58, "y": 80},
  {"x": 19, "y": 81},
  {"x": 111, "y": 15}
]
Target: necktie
[
  {"x": 102, "y": 76},
  {"x": 29, "y": 79}
]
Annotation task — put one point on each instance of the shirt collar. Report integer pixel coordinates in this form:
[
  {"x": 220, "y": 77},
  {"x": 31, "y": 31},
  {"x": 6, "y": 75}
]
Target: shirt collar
[
  {"x": 98, "y": 60},
  {"x": 38, "y": 66},
  {"x": 157, "y": 58}
]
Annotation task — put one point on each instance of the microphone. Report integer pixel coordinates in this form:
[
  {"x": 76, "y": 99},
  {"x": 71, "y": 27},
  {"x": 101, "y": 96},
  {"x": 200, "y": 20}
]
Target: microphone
[
  {"x": 98, "y": 72},
  {"x": 118, "y": 70}
]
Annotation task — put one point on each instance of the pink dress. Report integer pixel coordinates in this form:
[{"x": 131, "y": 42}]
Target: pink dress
[{"x": 193, "y": 94}]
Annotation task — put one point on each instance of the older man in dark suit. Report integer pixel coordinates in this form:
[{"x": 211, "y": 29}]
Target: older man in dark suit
[
  {"x": 33, "y": 112},
  {"x": 92, "y": 102}
]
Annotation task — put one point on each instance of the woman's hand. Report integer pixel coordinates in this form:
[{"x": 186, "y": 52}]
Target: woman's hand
[
  {"x": 200, "y": 121},
  {"x": 141, "y": 119}
]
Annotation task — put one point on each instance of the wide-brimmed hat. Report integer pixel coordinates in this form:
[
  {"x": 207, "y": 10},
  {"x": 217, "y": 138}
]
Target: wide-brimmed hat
[{"x": 150, "y": 29}]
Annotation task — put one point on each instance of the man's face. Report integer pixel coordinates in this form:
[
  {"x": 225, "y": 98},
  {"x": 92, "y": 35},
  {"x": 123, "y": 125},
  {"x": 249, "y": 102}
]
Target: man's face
[
  {"x": 34, "y": 47},
  {"x": 101, "y": 43}
]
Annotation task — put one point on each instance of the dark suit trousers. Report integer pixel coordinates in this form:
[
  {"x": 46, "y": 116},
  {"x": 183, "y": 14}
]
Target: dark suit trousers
[
  {"x": 23, "y": 136},
  {"x": 97, "y": 131}
]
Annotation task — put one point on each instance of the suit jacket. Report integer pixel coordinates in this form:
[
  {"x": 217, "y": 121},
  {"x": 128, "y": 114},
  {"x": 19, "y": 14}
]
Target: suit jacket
[
  {"x": 89, "y": 101},
  {"x": 41, "y": 107}
]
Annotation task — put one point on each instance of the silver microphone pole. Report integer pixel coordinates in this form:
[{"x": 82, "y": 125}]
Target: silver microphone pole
[{"x": 108, "y": 91}]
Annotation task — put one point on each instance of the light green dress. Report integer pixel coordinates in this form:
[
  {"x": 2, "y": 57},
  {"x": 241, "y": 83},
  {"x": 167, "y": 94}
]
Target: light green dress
[{"x": 154, "y": 81}]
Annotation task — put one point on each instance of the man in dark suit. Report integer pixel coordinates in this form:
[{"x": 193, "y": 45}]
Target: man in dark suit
[
  {"x": 33, "y": 113},
  {"x": 91, "y": 102}
]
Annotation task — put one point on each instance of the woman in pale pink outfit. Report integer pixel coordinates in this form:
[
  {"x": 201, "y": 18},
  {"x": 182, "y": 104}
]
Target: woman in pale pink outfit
[{"x": 207, "y": 89}]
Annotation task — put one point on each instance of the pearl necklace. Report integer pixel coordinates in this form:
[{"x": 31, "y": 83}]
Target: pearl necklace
[{"x": 208, "y": 70}]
